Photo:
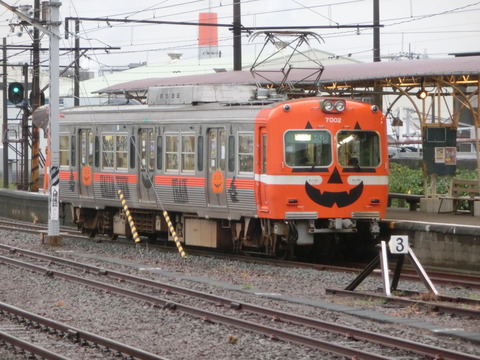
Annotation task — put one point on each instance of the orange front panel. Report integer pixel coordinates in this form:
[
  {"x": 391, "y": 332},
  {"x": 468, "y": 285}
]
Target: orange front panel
[{"x": 327, "y": 189}]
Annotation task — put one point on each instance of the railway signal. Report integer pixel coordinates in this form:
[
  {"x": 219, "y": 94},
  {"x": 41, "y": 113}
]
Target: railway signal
[{"x": 15, "y": 92}]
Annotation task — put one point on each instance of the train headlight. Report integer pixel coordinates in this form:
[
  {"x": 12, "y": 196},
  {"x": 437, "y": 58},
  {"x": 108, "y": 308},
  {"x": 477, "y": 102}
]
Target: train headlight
[
  {"x": 327, "y": 105},
  {"x": 333, "y": 106},
  {"x": 340, "y": 105}
]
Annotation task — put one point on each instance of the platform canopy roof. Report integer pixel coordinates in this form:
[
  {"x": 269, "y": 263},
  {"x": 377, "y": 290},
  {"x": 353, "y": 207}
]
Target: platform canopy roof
[{"x": 458, "y": 70}]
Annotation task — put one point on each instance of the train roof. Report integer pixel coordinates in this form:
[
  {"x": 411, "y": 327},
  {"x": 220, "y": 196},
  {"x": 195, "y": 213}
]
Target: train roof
[{"x": 183, "y": 113}]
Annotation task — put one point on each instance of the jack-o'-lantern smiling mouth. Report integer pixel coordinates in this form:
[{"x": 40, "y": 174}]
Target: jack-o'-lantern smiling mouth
[{"x": 329, "y": 198}]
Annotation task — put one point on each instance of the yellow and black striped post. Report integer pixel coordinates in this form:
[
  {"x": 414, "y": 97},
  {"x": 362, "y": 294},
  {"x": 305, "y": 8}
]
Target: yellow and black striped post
[
  {"x": 129, "y": 217},
  {"x": 174, "y": 234}
]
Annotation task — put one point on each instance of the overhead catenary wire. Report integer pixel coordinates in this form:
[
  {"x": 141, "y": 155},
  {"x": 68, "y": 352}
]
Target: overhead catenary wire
[{"x": 161, "y": 10}]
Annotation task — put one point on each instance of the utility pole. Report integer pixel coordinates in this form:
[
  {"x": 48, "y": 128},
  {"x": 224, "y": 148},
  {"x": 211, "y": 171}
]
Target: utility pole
[
  {"x": 5, "y": 116},
  {"x": 35, "y": 100},
  {"x": 376, "y": 31},
  {"x": 76, "y": 82},
  {"x": 24, "y": 141},
  {"x": 237, "y": 36},
  {"x": 377, "y": 98}
]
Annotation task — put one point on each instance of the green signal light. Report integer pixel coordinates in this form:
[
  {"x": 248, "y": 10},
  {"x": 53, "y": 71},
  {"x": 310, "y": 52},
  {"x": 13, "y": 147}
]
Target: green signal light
[{"x": 15, "y": 92}]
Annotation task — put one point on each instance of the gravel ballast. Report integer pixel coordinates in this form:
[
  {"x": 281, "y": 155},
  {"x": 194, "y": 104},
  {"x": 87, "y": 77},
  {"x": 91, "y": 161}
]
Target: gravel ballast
[{"x": 174, "y": 335}]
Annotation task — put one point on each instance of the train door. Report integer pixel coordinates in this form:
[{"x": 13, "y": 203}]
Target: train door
[
  {"x": 146, "y": 151},
  {"x": 262, "y": 156},
  {"x": 85, "y": 168},
  {"x": 217, "y": 148}
]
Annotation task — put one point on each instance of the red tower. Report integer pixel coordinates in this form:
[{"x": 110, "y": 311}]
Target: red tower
[{"x": 208, "y": 36}]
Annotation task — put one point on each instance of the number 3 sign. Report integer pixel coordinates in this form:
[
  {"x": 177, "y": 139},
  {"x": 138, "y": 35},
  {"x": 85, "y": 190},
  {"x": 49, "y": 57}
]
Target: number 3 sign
[{"x": 398, "y": 244}]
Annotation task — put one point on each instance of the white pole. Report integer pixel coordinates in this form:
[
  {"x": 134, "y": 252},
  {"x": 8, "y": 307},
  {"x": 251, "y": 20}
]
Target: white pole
[{"x": 54, "y": 200}]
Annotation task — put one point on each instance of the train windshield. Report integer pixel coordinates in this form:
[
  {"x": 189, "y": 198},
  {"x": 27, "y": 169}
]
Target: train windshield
[
  {"x": 308, "y": 148},
  {"x": 358, "y": 148}
]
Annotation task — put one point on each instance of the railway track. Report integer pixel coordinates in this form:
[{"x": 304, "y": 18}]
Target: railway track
[
  {"x": 329, "y": 337},
  {"x": 440, "y": 303},
  {"x": 52, "y": 340},
  {"x": 469, "y": 281}
]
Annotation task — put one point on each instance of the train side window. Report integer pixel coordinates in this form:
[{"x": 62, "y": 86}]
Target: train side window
[
  {"x": 231, "y": 153},
  {"x": 90, "y": 148},
  {"x": 86, "y": 148},
  {"x": 132, "y": 152},
  {"x": 222, "y": 137},
  {"x": 64, "y": 150},
  {"x": 171, "y": 152},
  {"x": 73, "y": 151},
  {"x": 187, "y": 155},
  {"x": 147, "y": 149},
  {"x": 83, "y": 148},
  {"x": 245, "y": 153},
  {"x": 121, "y": 152},
  {"x": 264, "y": 153},
  {"x": 200, "y": 153},
  {"x": 107, "y": 151},
  {"x": 151, "y": 150},
  {"x": 97, "y": 151},
  {"x": 159, "y": 153}
]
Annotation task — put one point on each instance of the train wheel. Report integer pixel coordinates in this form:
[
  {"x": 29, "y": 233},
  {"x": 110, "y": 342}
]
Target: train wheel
[
  {"x": 237, "y": 246},
  {"x": 112, "y": 236},
  {"x": 152, "y": 238},
  {"x": 284, "y": 245},
  {"x": 283, "y": 248},
  {"x": 90, "y": 232}
]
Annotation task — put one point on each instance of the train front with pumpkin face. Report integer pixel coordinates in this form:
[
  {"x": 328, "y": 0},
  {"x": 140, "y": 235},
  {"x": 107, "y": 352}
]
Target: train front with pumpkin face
[{"x": 323, "y": 165}]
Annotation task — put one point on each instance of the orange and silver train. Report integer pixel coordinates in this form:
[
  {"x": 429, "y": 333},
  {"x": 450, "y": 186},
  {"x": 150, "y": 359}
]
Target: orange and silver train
[{"x": 268, "y": 177}]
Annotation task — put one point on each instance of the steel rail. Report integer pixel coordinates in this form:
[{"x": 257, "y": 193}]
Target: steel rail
[
  {"x": 31, "y": 348},
  {"x": 79, "y": 334},
  {"x": 434, "y": 306}
]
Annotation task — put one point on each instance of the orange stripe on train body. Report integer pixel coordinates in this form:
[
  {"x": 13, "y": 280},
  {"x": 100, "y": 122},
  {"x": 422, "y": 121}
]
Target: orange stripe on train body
[
  {"x": 195, "y": 181},
  {"x": 115, "y": 178},
  {"x": 68, "y": 175}
]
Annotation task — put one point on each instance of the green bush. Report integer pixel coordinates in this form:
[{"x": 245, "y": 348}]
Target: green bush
[
  {"x": 410, "y": 181},
  {"x": 405, "y": 180}
]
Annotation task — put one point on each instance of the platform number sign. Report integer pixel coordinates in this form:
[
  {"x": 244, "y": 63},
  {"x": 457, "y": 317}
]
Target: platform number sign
[{"x": 398, "y": 244}]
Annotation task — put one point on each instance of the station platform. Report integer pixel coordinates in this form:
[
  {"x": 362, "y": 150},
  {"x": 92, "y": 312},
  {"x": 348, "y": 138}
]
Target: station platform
[
  {"x": 448, "y": 241},
  {"x": 428, "y": 218}
]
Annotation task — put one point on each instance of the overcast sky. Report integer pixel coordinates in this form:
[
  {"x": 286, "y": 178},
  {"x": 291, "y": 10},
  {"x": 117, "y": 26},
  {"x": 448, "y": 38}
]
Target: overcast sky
[{"x": 432, "y": 27}]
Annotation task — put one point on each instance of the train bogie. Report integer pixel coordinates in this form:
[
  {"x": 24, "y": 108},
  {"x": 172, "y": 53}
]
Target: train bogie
[{"x": 250, "y": 177}]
